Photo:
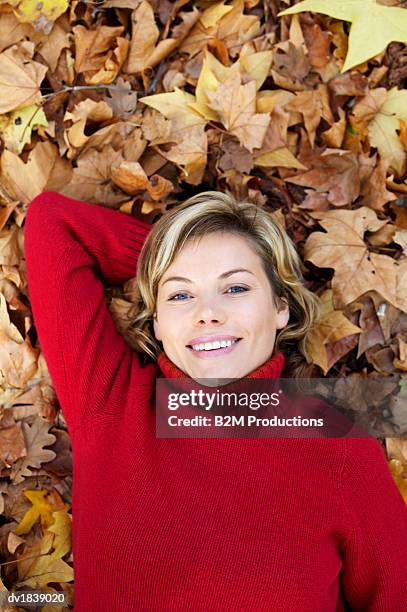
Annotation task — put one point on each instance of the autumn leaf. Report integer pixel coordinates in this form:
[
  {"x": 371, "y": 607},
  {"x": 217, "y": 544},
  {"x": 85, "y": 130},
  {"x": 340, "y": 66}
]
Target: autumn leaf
[
  {"x": 187, "y": 130},
  {"x": 36, "y": 437},
  {"x": 332, "y": 326},
  {"x": 356, "y": 269},
  {"x": 36, "y": 567},
  {"x": 41, "y": 15},
  {"x": 20, "y": 77},
  {"x": 384, "y": 126},
  {"x": 383, "y": 24},
  {"x": 17, "y": 127},
  {"x": 40, "y": 509},
  {"x": 61, "y": 527},
  {"x": 236, "y": 106}
]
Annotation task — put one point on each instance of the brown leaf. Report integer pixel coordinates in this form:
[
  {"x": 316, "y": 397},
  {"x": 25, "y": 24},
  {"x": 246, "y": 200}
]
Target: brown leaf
[
  {"x": 318, "y": 43},
  {"x": 374, "y": 191},
  {"x": 236, "y": 106},
  {"x": 369, "y": 323},
  {"x": 36, "y": 437},
  {"x": 313, "y": 105},
  {"x": 356, "y": 269},
  {"x": 334, "y": 173}
]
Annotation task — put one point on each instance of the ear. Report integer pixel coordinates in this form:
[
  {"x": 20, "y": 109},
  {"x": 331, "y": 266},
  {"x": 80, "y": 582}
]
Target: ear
[
  {"x": 156, "y": 328},
  {"x": 283, "y": 313}
]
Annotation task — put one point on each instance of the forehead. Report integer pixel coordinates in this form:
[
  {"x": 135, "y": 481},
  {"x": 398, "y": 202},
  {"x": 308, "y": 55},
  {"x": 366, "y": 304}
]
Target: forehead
[{"x": 215, "y": 249}]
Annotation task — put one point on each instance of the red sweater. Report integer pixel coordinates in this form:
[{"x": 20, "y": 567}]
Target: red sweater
[{"x": 281, "y": 525}]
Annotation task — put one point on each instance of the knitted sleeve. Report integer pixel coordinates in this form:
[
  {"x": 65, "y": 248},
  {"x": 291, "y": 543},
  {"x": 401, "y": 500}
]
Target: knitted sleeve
[
  {"x": 374, "y": 571},
  {"x": 70, "y": 247}
]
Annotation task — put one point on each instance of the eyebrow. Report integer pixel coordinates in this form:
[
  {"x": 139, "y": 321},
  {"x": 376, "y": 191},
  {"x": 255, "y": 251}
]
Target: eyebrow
[{"x": 224, "y": 275}]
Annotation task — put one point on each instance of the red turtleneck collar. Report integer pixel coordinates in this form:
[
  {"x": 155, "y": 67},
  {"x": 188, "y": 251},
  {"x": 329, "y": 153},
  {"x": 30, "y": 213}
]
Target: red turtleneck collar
[{"x": 272, "y": 368}]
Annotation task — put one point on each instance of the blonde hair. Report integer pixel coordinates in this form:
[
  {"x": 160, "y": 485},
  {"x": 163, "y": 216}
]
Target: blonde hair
[{"x": 214, "y": 211}]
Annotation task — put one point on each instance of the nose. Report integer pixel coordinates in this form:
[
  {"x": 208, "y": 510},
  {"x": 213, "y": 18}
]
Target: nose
[{"x": 209, "y": 312}]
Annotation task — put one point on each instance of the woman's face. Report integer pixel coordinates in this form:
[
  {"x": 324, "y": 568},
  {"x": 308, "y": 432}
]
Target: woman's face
[{"x": 215, "y": 290}]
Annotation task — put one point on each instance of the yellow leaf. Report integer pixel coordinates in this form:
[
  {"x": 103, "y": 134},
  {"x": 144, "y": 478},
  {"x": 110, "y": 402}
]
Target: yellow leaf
[
  {"x": 257, "y": 65},
  {"x": 187, "y": 130},
  {"x": 236, "y": 106},
  {"x": 214, "y": 13},
  {"x": 36, "y": 568},
  {"x": 279, "y": 157},
  {"x": 41, "y": 15},
  {"x": 17, "y": 130},
  {"x": 213, "y": 73},
  {"x": 383, "y": 129},
  {"x": 41, "y": 508},
  {"x": 61, "y": 528},
  {"x": 373, "y": 27},
  {"x": 174, "y": 105}
]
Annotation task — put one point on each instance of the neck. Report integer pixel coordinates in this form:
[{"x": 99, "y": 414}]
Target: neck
[{"x": 271, "y": 368}]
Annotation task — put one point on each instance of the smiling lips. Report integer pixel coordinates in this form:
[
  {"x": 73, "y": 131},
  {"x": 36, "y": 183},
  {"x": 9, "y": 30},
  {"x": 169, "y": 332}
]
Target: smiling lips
[{"x": 213, "y": 349}]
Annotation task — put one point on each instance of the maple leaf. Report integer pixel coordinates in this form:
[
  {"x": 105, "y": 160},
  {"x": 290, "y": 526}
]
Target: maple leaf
[
  {"x": 17, "y": 127},
  {"x": 383, "y": 129},
  {"x": 213, "y": 73},
  {"x": 20, "y": 77},
  {"x": 356, "y": 269},
  {"x": 187, "y": 130},
  {"x": 332, "y": 326},
  {"x": 373, "y": 27},
  {"x": 236, "y": 106},
  {"x": 41, "y": 15}
]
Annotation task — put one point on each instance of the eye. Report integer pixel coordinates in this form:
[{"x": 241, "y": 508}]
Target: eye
[
  {"x": 173, "y": 298},
  {"x": 238, "y": 287}
]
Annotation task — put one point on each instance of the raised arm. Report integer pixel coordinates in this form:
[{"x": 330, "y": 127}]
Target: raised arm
[
  {"x": 374, "y": 574},
  {"x": 69, "y": 245}
]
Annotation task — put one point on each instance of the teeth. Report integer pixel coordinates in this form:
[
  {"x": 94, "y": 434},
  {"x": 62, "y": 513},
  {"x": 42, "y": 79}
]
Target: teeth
[{"x": 209, "y": 346}]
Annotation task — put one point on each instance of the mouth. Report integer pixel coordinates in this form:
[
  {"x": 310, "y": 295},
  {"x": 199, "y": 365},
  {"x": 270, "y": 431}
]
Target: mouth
[{"x": 214, "y": 352}]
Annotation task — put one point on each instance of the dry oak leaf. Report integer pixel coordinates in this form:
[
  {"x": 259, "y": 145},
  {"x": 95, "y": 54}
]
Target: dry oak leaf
[
  {"x": 356, "y": 269},
  {"x": 332, "y": 326},
  {"x": 373, "y": 27},
  {"x": 40, "y": 509},
  {"x": 236, "y": 106},
  {"x": 20, "y": 77},
  {"x": 36, "y": 437},
  {"x": 12, "y": 444}
]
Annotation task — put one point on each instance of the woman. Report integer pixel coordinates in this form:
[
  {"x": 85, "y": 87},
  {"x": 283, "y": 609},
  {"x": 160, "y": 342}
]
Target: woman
[{"x": 290, "y": 525}]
